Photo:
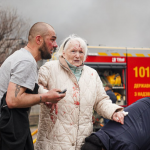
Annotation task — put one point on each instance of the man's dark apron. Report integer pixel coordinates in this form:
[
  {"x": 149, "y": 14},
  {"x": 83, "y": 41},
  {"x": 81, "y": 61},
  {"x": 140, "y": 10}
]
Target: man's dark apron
[{"x": 14, "y": 127}]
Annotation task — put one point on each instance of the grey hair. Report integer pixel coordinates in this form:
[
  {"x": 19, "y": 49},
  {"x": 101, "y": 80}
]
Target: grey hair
[{"x": 64, "y": 45}]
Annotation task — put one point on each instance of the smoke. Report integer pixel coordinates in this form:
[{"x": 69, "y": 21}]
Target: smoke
[{"x": 108, "y": 23}]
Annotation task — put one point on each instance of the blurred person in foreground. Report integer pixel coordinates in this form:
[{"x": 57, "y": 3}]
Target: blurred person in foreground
[
  {"x": 134, "y": 134},
  {"x": 112, "y": 96},
  {"x": 19, "y": 88},
  {"x": 68, "y": 127}
]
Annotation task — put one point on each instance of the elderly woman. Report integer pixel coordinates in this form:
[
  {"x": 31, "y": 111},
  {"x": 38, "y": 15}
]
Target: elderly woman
[{"x": 67, "y": 128}]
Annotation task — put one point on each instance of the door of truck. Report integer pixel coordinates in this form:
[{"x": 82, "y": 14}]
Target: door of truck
[{"x": 138, "y": 74}]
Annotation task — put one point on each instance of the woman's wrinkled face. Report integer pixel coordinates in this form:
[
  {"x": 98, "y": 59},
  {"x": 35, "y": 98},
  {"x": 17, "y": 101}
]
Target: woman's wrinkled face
[{"x": 74, "y": 53}]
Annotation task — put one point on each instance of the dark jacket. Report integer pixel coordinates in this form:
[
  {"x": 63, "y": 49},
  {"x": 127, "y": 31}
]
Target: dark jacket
[
  {"x": 134, "y": 134},
  {"x": 112, "y": 96}
]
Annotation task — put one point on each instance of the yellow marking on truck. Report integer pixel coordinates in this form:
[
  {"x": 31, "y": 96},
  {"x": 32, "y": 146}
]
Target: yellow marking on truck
[
  {"x": 115, "y": 54},
  {"x": 149, "y": 55},
  {"x": 140, "y": 55},
  {"x": 127, "y": 54},
  {"x": 103, "y": 54}
]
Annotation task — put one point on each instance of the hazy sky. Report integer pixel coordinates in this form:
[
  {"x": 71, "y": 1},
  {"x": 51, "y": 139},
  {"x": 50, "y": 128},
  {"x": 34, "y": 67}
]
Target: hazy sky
[{"x": 119, "y": 23}]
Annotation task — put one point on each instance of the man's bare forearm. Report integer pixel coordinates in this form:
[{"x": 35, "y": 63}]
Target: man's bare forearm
[
  {"x": 24, "y": 100},
  {"x": 28, "y": 100},
  {"x": 17, "y": 98}
]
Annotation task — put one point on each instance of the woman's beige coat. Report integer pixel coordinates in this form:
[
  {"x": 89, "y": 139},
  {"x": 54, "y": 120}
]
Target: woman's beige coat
[{"x": 67, "y": 129}]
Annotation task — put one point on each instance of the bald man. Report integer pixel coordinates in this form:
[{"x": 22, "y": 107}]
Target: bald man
[{"x": 19, "y": 88}]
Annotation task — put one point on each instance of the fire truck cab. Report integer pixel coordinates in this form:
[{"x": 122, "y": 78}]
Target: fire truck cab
[{"x": 127, "y": 69}]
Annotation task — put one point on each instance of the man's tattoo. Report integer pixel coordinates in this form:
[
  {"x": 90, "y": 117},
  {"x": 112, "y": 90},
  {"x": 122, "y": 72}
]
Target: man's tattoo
[
  {"x": 40, "y": 99},
  {"x": 17, "y": 90}
]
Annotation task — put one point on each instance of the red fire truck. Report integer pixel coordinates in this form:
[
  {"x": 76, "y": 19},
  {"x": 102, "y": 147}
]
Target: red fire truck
[
  {"x": 127, "y": 69},
  {"x": 132, "y": 65}
]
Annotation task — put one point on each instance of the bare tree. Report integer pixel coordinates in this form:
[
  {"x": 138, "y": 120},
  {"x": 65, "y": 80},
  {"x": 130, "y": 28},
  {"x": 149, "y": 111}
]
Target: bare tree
[{"x": 12, "y": 28}]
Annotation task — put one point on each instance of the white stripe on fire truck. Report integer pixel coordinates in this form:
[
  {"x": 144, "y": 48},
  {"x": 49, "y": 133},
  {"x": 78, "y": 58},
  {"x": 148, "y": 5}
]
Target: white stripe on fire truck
[{"x": 125, "y": 54}]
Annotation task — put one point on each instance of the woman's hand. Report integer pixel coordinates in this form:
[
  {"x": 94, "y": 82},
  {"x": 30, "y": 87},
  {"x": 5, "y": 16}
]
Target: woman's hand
[
  {"x": 118, "y": 117},
  {"x": 53, "y": 110},
  {"x": 52, "y": 106}
]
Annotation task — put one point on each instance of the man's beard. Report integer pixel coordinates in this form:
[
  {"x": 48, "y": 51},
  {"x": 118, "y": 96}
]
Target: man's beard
[{"x": 44, "y": 52}]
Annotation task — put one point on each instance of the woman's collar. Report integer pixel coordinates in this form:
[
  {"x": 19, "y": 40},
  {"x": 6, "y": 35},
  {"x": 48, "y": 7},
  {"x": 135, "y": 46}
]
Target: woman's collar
[{"x": 72, "y": 66}]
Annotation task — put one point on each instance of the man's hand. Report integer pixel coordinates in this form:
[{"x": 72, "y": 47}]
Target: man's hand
[
  {"x": 53, "y": 96},
  {"x": 118, "y": 117}
]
